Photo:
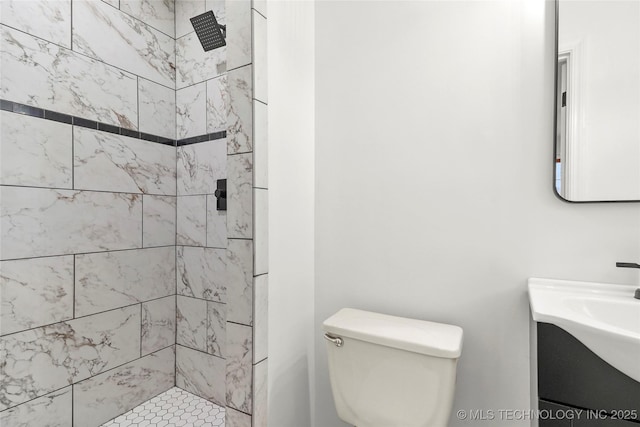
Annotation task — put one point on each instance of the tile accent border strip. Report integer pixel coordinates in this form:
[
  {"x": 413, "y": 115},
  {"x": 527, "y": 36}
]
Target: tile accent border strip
[
  {"x": 28, "y": 110},
  {"x": 202, "y": 138}
]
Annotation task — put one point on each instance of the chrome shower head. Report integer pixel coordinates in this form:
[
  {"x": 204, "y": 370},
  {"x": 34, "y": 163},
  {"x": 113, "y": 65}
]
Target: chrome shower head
[{"x": 210, "y": 33}]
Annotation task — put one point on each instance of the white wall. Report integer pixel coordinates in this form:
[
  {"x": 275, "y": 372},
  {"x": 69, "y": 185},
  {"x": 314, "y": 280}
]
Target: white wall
[
  {"x": 291, "y": 193},
  {"x": 606, "y": 35},
  {"x": 434, "y": 182}
]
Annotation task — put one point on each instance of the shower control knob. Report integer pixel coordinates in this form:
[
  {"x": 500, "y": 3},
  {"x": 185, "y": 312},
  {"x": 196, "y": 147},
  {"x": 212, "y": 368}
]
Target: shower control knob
[{"x": 221, "y": 194}]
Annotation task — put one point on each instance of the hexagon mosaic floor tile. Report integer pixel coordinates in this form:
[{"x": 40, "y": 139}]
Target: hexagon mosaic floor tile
[{"x": 174, "y": 407}]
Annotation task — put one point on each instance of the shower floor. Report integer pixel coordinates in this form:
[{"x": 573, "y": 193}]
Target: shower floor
[{"x": 174, "y": 407}]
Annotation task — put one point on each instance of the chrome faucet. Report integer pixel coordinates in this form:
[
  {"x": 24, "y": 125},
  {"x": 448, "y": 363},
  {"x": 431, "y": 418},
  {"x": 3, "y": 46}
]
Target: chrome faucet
[{"x": 636, "y": 295}]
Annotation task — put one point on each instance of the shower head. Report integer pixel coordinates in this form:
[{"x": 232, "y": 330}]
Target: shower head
[{"x": 210, "y": 33}]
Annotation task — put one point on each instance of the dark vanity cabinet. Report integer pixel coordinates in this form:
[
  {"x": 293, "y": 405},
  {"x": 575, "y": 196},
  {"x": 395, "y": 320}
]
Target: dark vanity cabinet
[{"x": 576, "y": 388}]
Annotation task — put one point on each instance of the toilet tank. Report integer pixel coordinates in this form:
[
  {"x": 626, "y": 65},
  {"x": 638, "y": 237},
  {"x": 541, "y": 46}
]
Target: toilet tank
[{"x": 392, "y": 371}]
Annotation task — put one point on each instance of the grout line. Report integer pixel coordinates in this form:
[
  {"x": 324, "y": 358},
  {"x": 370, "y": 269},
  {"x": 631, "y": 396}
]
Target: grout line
[
  {"x": 240, "y": 153},
  {"x": 201, "y": 247},
  {"x": 239, "y": 66},
  {"x": 72, "y": 403},
  {"x": 175, "y": 235},
  {"x": 89, "y": 191},
  {"x": 175, "y": 341},
  {"x": 258, "y": 12},
  {"x": 204, "y": 82},
  {"x": 254, "y": 234},
  {"x": 74, "y": 287},
  {"x": 200, "y": 299},
  {"x": 253, "y": 388},
  {"x": 206, "y": 106},
  {"x": 206, "y": 220},
  {"x": 240, "y": 324},
  {"x": 73, "y": 157},
  {"x": 70, "y": 23},
  {"x": 88, "y": 253},
  {"x": 200, "y": 82},
  {"x": 142, "y": 222},
  {"x": 207, "y": 327},
  {"x": 200, "y": 351},
  {"x": 260, "y": 361},
  {"x": 184, "y": 35},
  {"x": 138, "y": 101},
  {"x": 141, "y": 322},
  {"x": 140, "y": 20},
  {"x": 253, "y": 61},
  {"x": 242, "y": 412}
]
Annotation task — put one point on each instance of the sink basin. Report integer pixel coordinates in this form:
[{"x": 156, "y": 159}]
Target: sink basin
[{"x": 604, "y": 317}]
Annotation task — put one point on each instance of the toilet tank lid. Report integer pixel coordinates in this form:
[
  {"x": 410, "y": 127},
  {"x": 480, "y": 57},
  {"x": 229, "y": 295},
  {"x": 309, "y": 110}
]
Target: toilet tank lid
[{"x": 419, "y": 336}]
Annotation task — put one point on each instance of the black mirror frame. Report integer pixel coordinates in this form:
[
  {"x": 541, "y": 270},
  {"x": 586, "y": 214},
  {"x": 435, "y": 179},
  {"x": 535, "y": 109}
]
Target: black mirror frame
[{"x": 555, "y": 117}]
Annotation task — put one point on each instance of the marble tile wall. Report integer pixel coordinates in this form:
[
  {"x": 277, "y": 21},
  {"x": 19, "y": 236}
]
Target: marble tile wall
[
  {"x": 158, "y": 324},
  {"x": 47, "y": 144},
  {"x": 43, "y": 74},
  {"x": 88, "y": 216},
  {"x": 202, "y": 96},
  {"x": 201, "y": 108},
  {"x": 240, "y": 114},
  {"x": 87, "y": 273},
  {"x": 239, "y": 376},
  {"x": 223, "y": 282},
  {"x": 92, "y": 60},
  {"x": 191, "y": 111},
  {"x": 105, "y": 396},
  {"x": 157, "y": 107},
  {"x": 52, "y": 410},
  {"x": 109, "y": 162},
  {"x": 259, "y": 211},
  {"x": 100, "y": 231},
  {"x": 41, "y": 360},
  {"x": 159, "y": 14},
  {"x": 33, "y": 225},
  {"x": 202, "y": 278},
  {"x": 107, "y": 280},
  {"x": 112, "y": 36},
  {"x": 48, "y": 283},
  {"x": 201, "y": 374}
]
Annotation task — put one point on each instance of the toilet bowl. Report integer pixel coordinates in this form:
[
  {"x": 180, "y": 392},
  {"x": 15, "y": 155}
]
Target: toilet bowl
[{"x": 389, "y": 371}]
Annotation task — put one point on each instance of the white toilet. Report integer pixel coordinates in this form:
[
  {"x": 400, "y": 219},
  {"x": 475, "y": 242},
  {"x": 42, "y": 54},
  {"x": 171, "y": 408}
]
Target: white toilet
[{"x": 389, "y": 371}]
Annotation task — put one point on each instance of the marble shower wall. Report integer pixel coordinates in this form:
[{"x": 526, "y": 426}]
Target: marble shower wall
[
  {"x": 92, "y": 60},
  {"x": 139, "y": 281},
  {"x": 88, "y": 213},
  {"x": 201, "y": 237},
  {"x": 222, "y": 256},
  {"x": 259, "y": 211}
]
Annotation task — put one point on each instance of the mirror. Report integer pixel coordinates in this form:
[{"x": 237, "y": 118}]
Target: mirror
[{"x": 597, "y": 135}]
